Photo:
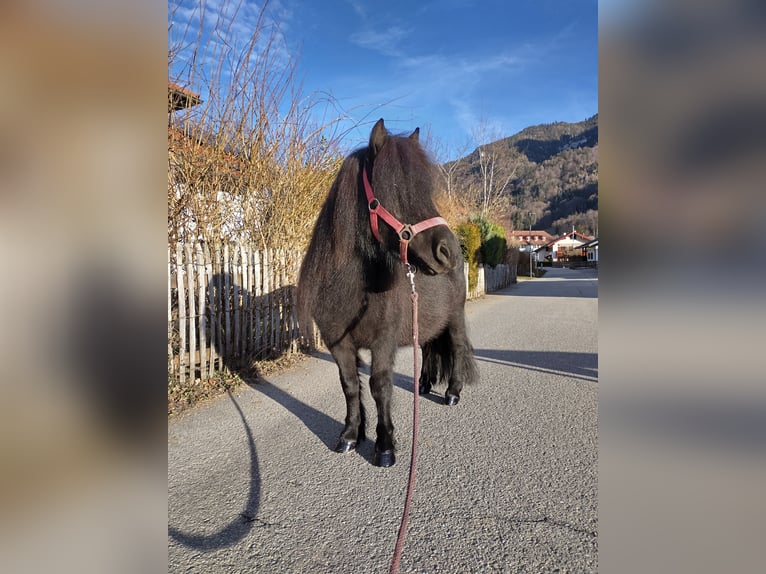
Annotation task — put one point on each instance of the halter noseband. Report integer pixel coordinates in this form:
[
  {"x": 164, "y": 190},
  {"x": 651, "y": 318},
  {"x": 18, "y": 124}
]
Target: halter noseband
[{"x": 405, "y": 231}]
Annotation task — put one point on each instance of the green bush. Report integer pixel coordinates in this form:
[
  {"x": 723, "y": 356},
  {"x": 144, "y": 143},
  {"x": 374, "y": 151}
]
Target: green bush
[
  {"x": 469, "y": 235},
  {"x": 493, "y": 246},
  {"x": 493, "y": 241}
]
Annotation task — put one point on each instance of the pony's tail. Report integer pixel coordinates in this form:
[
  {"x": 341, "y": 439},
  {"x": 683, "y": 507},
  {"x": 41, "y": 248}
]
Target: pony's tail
[
  {"x": 304, "y": 306},
  {"x": 467, "y": 364}
]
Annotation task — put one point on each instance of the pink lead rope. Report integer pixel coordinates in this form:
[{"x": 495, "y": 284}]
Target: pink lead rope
[
  {"x": 414, "y": 456},
  {"x": 406, "y": 233}
]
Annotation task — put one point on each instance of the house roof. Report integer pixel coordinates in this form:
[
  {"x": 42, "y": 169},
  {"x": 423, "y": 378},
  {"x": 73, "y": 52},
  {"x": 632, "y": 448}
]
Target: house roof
[
  {"x": 591, "y": 243},
  {"x": 180, "y": 98},
  {"x": 524, "y": 233},
  {"x": 520, "y": 235}
]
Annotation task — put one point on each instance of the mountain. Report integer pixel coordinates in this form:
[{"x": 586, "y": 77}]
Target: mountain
[{"x": 550, "y": 170}]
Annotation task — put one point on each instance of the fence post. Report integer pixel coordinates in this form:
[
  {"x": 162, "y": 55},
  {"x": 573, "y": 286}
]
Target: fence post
[
  {"x": 236, "y": 283},
  {"x": 266, "y": 299},
  {"x": 200, "y": 263},
  {"x": 258, "y": 302},
  {"x": 171, "y": 361},
  {"x": 211, "y": 306},
  {"x": 181, "y": 314},
  {"x": 246, "y": 297},
  {"x": 226, "y": 300},
  {"x": 192, "y": 312}
]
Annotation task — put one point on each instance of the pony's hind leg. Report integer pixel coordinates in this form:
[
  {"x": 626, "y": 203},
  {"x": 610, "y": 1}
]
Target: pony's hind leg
[
  {"x": 383, "y": 353},
  {"x": 345, "y": 356}
]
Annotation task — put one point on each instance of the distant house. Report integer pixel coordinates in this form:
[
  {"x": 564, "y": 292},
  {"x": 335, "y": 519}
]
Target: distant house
[
  {"x": 568, "y": 247},
  {"x": 590, "y": 250},
  {"x": 180, "y": 98}
]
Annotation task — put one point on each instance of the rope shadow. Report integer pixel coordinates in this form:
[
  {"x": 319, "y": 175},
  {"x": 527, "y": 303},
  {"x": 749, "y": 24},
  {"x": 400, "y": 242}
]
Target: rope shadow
[{"x": 245, "y": 521}]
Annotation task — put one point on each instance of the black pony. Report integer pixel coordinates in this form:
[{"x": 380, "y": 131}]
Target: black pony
[{"x": 355, "y": 288}]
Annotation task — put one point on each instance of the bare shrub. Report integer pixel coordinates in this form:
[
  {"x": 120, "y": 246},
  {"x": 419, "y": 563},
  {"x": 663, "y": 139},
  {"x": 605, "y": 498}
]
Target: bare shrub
[{"x": 255, "y": 158}]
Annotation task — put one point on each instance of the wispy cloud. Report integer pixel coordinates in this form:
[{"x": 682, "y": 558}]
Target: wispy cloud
[
  {"x": 387, "y": 42},
  {"x": 359, "y": 7}
]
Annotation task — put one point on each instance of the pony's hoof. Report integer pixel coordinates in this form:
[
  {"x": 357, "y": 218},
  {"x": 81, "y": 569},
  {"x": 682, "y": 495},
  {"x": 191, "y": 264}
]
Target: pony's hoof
[
  {"x": 385, "y": 458},
  {"x": 424, "y": 388},
  {"x": 451, "y": 400},
  {"x": 345, "y": 446}
]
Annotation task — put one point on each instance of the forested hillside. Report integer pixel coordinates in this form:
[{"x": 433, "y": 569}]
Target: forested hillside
[{"x": 550, "y": 170}]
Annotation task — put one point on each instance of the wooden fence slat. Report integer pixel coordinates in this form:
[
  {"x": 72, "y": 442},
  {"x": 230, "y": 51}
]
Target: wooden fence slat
[
  {"x": 285, "y": 326},
  {"x": 251, "y": 307},
  {"x": 245, "y": 296},
  {"x": 211, "y": 309},
  {"x": 236, "y": 281},
  {"x": 181, "y": 314},
  {"x": 274, "y": 300},
  {"x": 201, "y": 276},
  {"x": 226, "y": 300},
  {"x": 218, "y": 275},
  {"x": 294, "y": 332},
  {"x": 171, "y": 362},
  {"x": 192, "y": 311},
  {"x": 258, "y": 335},
  {"x": 266, "y": 299}
]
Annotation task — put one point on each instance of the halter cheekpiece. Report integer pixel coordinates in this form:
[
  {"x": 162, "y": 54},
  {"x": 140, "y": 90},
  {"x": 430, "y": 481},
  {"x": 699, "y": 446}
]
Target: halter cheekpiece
[{"x": 405, "y": 231}]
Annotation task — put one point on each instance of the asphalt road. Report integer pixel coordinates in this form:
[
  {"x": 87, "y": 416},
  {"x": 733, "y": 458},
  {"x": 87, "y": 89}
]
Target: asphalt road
[{"x": 506, "y": 480}]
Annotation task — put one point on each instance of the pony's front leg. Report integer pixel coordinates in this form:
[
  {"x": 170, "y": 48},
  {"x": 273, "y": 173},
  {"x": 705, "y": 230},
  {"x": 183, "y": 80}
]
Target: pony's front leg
[
  {"x": 383, "y": 353},
  {"x": 429, "y": 373},
  {"x": 345, "y": 356}
]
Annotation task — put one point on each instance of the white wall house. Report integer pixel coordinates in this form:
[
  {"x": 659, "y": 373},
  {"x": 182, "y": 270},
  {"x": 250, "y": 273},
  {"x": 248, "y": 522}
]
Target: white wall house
[{"x": 562, "y": 248}]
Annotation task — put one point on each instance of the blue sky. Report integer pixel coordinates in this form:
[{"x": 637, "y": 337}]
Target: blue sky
[{"x": 447, "y": 66}]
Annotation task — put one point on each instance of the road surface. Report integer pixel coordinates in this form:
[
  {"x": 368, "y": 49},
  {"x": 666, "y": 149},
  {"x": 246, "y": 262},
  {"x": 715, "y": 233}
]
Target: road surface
[{"x": 506, "y": 480}]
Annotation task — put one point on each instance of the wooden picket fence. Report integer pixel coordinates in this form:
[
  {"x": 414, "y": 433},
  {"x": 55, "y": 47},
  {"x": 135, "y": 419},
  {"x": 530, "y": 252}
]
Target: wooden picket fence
[
  {"x": 230, "y": 304},
  {"x": 498, "y": 277},
  {"x": 490, "y": 279}
]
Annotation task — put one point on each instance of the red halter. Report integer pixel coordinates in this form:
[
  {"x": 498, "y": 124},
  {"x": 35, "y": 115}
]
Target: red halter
[{"x": 405, "y": 231}]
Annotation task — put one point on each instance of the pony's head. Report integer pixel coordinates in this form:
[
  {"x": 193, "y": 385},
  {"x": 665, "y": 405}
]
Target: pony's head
[{"x": 401, "y": 177}]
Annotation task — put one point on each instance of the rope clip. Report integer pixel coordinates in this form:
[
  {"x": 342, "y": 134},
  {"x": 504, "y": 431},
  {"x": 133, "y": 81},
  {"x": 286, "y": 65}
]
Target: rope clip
[{"x": 411, "y": 276}]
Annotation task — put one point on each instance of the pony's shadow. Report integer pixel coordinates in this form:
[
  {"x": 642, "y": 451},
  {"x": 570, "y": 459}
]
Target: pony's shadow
[
  {"x": 323, "y": 426},
  {"x": 238, "y": 528}
]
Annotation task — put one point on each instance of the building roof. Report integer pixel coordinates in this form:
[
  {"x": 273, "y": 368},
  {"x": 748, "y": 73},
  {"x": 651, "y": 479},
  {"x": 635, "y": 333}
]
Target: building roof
[
  {"x": 180, "y": 98},
  {"x": 520, "y": 235},
  {"x": 525, "y": 232},
  {"x": 591, "y": 243}
]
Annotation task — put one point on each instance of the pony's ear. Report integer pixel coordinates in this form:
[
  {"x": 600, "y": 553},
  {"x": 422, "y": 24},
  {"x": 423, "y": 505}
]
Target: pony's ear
[
  {"x": 378, "y": 136},
  {"x": 414, "y": 135}
]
